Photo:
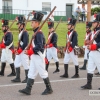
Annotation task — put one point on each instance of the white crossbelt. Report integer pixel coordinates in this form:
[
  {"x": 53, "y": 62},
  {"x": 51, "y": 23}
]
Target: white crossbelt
[
  {"x": 7, "y": 47},
  {"x": 41, "y": 55}
]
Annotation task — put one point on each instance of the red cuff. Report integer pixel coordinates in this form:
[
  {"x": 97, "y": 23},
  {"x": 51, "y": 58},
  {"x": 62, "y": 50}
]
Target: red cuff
[
  {"x": 12, "y": 51},
  {"x": 46, "y": 61},
  {"x": 2, "y": 45},
  {"x": 50, "y": 45},
  {"x": 70, "y": 48},
  {"x": 19, "y": 50},
  {"x": 93, "y": 47},
  {"x": 30, "y": 52}
]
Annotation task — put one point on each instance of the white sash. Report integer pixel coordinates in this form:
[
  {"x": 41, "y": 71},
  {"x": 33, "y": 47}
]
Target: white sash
[
  {"x": 68, "y": 36},
  {"x": 87, "y": 36},
  {"x": 7, "y": 47},
  {"x": 39, "y": 52},
  {"x": 92, "y": 36},
  {"x": 94, "y": 42},
  {"x": 50, "y": 35},
  {"x": 19, "y": 37}
]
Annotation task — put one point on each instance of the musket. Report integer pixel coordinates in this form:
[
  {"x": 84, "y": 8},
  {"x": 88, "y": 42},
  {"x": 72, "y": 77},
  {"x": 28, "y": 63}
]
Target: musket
[
  {"x": 28, "y": 47},
  {"x": 12, "y": 24},
  {"x": 58, "y": 23},
  {"x": 48, "y": 42}
]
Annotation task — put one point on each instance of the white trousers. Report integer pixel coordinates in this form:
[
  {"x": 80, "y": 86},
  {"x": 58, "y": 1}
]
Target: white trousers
[
  {"x": 22, "y": 59},
  {"x": 37, "y": 65},
  {"x": 52, "y": 53},
  {"x": 72, "y": 56},
  {"x": 86, "y": 53},
  {"x": 93, "y": 61},
  {"x": 6, "y": 56}
]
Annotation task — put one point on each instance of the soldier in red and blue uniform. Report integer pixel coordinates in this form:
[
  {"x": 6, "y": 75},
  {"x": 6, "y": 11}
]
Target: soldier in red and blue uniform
[
  {"x": 21, "y": 58},
  {"x": 87, "y": 38},
  {"x": 98, "y": 73},
  {"x": 52, "y": 46},
  {"x": 37, "y": 62},
  {"x": 7, "y": 49},
  {"x": 94, "y": 54},
  {"x": 72, "y": 41}
]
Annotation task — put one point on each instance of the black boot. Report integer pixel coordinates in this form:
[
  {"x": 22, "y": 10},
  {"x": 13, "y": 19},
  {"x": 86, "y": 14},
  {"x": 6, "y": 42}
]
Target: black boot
[
  {"x": 13, "y": 73},
  {"x": 65, "y": 75},
  {"x": 84, "y": 66},
  {"x": 97, "y": 73},
  {"x": 17, "y": 79},
  {"x": 76, "y": 72},
  {"x": 28, "y": 88},
  {"x": 89, "y": 81},
  {"x": 47, "y": 65},
  {"x": 48, "y": 89},
  {"x": 3, "y": 65},
  {"x": 26, "y": 74},
  {"x": 57, "y": 68}
]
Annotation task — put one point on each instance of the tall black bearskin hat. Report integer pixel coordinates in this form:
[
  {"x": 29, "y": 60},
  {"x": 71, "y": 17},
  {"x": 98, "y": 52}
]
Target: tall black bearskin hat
[
  {"x": 71, "y": 21},
  {"x": 5, "y": 22},
  {"x": 38, "y": 16},
  {"x": 20, "y": 19},
  {"x": 88, "y": 24}
]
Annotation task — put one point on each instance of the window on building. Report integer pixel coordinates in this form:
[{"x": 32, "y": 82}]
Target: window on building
[
  {"x": 46, "y": 6},
  {"x": 7, "y": 6}
]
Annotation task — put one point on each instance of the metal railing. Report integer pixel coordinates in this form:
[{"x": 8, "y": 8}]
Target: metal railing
[{"x": 10, "y": 14}]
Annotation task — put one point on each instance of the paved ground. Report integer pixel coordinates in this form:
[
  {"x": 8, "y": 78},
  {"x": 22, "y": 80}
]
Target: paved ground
[{"x": 64, "y": 89}]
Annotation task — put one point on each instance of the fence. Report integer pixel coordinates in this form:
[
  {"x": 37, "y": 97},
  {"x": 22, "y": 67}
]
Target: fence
[{"x": 10, "y": 14}]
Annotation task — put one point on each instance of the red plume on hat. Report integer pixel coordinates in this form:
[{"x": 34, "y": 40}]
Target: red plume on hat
[
  {"x": 49, "y": 23},
  {"x": 69, "y": 20},
  {"x": 86, "y": 23},
  {"x": 2, "y": 21},
  {"x": 16, "y": 18},
  {"x": 33, "y": 12}
]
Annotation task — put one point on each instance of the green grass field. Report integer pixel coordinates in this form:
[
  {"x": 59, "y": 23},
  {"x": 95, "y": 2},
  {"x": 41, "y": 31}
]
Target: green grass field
[{"x": 61, "y": 32}]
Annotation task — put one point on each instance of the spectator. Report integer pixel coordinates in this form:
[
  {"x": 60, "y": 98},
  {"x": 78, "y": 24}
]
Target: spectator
[
  {"x": 83, "y": 14},
  {"x": 77, "y": 13},
  {"x": 95, "y": 14}
]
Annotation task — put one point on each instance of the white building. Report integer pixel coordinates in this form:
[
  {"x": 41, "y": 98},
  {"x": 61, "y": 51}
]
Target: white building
[{"x": 64, "y": 8}]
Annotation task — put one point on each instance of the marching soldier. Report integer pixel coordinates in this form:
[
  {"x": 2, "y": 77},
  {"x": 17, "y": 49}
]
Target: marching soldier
[
  {"x": 21, "y": 58},
  {"x": 7, "y": 49},
  {"x": 37, "y": 63},
  {"x": 94, "y": 55},
  {"x": 88, "y": 34},
  {"x": 98, "y": 73},
  {"x": 52, "y": 47},
  {"x": 69, "y": 50}
]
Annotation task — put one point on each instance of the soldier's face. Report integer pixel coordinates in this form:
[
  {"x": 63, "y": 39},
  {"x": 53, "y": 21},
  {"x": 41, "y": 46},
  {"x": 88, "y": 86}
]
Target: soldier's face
[
  {"x": 20, "y": 26},
  {"x": 87, "y": 29},
  {"x": 3, "y": 28},
  {"x": 34, "y": 24},
  {"x": 68, "y": 26},
  {"x": 51, "y": 29},
  {"x": 94, "y": 24}
]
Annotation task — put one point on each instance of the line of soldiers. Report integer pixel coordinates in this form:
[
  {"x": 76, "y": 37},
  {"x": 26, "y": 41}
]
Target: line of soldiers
[{"x": 37, "y": 52}]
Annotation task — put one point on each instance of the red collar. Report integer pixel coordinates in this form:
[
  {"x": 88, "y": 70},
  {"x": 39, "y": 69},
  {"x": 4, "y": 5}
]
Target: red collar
[{"x": 69, "y": 32}]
